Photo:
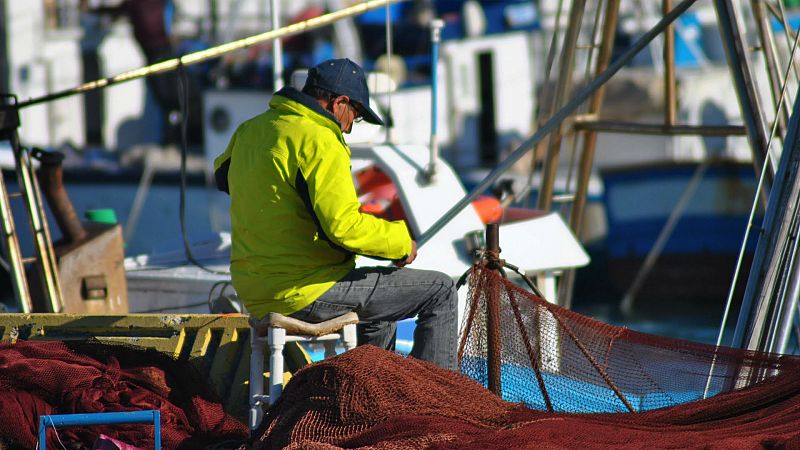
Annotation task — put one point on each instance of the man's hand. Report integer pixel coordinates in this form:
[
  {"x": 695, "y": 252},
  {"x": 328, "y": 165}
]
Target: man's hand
[{"x": 410, "y": 258}]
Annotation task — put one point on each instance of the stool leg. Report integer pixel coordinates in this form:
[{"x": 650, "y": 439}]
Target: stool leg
[
  {"x": 277, "y": 340},
  {"x": 256, "y": 379},
  {"x": 349, "y": 336}
]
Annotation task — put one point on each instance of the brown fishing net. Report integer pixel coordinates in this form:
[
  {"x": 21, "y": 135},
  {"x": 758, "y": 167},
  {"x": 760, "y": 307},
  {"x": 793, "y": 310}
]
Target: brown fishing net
[
  {"x": 44, "y": 378},
  {"x": 554, "y": 359},
  {"x": 549, "y": 359}
]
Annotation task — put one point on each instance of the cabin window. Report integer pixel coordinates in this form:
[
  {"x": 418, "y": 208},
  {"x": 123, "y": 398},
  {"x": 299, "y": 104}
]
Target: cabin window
[{"x": 59, "y": 14}]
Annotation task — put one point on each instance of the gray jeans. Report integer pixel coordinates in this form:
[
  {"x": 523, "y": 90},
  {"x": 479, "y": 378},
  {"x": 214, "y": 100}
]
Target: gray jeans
[{"x": 383, "y": 295}]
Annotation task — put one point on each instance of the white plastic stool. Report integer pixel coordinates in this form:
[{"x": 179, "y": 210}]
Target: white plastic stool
[{"x": 276, "y": 330}]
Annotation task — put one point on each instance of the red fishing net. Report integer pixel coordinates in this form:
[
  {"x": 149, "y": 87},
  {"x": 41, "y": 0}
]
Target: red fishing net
[
  {"x": 43, "y": 378},
  {"x": 574, "y": 380}
]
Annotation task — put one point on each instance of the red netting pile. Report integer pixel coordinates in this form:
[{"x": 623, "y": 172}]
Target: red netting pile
[
  {"x": 49, "y": 377},
  {"x": 573, "y": 380}
]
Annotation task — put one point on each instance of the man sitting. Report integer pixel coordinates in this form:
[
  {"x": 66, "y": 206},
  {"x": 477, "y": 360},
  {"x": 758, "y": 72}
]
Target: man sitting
[{"x": 297, "y": 227}]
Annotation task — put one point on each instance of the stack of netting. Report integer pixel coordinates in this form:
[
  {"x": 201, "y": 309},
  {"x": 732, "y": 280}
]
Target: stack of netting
[
  {"x": 559, "y": 366},
  {"x": 45, "y": 378}
]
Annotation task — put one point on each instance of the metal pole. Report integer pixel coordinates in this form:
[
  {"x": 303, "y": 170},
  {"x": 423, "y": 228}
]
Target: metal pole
[
  {"x": 746, "y": 310},
  {"x": 45, "y": 255},
  {"x": 436, "y": 34},
  {"x": 611, "y": 126},
  {"x": 277, "y": 48},
  {"x": 9, "y": 122},
  {"x": 581, "y": 96},
  {"x": 589, "y": 145},
  {"x": 769, "y": 262},
  {"x": 145, "y": 182},
  {"x": 670, "y": 96},
  {"x": 770, "y": 60},
  {"x": 563, "y": 87},
  {"x": 742, "y": 74},
  {"x": 389, "y": 50},
  {"x": 595, "y": 104},
  {"x": 780, "y": 13},
  {"x": 214, "y": 52},
  {"x": 494, "y": 350},
  {"x": 784, "y": 317},
  {"x": 546, "y": 109},
  {"x": 15, "y": 266},
  {"x": 213, "y": 16},
  {"x": 108, "y": 418},
  {"x": 626, "y": 305}
]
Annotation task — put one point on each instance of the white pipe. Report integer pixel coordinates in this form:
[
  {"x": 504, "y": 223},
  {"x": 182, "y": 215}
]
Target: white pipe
[
  {"x": 436, "y": 35},
  {"x": 388, "y": 124},
  {"x": 277, "y": 48}
]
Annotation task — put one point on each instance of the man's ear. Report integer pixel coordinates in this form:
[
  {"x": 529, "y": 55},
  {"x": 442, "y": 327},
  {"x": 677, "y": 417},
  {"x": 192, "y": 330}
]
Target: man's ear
[{"x": 342, "y": 100}]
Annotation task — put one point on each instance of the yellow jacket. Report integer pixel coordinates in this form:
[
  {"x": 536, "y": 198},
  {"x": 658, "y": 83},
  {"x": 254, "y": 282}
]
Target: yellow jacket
[{"x": 295, "y": 219}]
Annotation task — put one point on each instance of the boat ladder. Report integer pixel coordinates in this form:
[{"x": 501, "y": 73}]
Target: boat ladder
[{"x": 43, "y": 261}]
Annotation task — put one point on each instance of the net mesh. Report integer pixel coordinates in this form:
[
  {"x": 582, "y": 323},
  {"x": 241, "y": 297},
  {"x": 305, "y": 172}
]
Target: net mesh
[
  {"x": 554, "y": 359},
  {"x": 554, "y": 367},
  {"x": 51, "y": 377}
]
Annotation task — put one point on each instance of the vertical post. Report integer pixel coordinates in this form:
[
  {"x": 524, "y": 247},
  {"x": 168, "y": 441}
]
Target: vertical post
[
  {"x": 563, "y": 87},
  {"x": 157, "y": 429},
  {"x": 277, "y": 49},
  {"x": 46, "y": 259},
  {"x": 256, "y": 390},
  {"x": 42, "y": 434},
  {"x": 589, "y": 143},
  {"x": 670, "y": 96},
  {"x": 389, "y": 71},
  {"x": 213, "y": 15},
  {"x": 29, "y": 188},
  {"x": 764, "y": 26},
  {"x": 742, "y": 74},
  {"x": 436, "y": 33},
  {"x": 9, "y": 121},
  {"x": 277, "y": 340},
  {"x": 774, "y": 271},
  {"x": 493, "y": 312}
]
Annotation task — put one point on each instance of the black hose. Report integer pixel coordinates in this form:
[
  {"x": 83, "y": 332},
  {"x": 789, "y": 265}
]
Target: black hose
[{"x": 183, "y": 102}]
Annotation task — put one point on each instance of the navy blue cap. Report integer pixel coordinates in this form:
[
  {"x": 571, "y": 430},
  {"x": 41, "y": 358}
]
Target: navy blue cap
[{"x": 344, "y": 77}]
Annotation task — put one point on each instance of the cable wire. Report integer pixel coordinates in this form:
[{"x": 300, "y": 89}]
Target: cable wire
[
  {"x": 55, "y": 430},
  {"x": 183, "y": 102}
]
